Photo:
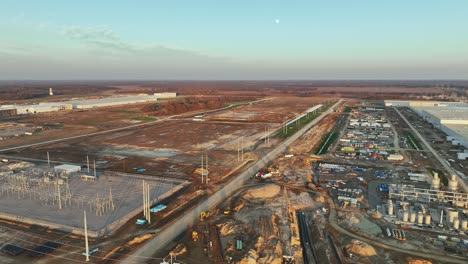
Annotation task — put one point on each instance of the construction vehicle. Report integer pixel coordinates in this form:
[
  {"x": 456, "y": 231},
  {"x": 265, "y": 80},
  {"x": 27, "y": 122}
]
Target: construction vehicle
[
  {"x": 203, "y": 215},
  {"x": 195, "y": 236}
]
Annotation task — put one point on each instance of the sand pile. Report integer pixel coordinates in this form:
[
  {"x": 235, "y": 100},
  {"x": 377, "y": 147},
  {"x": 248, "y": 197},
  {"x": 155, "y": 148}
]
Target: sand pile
[
  {"x": 179, "y": 250},
  {"x": 319, "y": 199},
  {"x": 227, "y": 229},
  {"x": 417, "y": 261},
  {"x": 200, "y": 170},
  {"x": 239, "y": 205},
  {"x": 264, "y": 192},
  {"x": 352, "y": 219},
  {"x": 139, "y": 239},
  {"x": 376, "y": 215},
  {"x": 360, "y": 248}
]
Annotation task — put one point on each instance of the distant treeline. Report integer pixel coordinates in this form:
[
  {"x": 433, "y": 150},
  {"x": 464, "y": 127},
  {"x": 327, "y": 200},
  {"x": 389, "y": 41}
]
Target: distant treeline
[{"x": 23, "y": 92}]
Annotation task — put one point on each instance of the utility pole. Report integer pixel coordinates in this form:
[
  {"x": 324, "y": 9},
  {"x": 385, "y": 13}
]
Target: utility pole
[
  {"x": 59, "y": 198},
  {"x": 48, "y": 159},
  {"x": 94, "y": 168},
  {"x": 268, "y": 131},
  {"x": 144, "y": 199},
  {"x": 206, "y": 165},
  {"x": 202, "y": 170},
  {"x": 242, "y": 148},
  {"x": 267, "y": 135},
  {"x": 238, "y": 149},
  {"x": 148, "y": 204},
  {"x": 87, "y": 162},
  {"x": 86, "y": 237}
]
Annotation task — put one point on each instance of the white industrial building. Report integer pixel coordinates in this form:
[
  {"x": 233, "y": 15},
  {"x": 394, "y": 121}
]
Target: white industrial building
[
  {"x": 446, "y": 115},
  {"x": 42, "y": 108},
  {"x": 453, "y": 121},
  {"x": 165, "y": 95},
  {"x": 450, "y": 117},
  {"x": 81, "y": 104},
  {"x": 113, "y": 101},
  {"x": 424, "y": 103}
]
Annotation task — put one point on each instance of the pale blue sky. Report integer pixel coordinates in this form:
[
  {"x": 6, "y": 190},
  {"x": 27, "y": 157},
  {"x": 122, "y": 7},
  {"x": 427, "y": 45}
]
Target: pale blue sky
[{"x": 328, "y": 39}]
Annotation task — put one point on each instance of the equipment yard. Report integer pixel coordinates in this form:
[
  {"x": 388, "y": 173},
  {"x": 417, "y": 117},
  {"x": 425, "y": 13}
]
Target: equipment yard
[{"x": 57, "y": 201}]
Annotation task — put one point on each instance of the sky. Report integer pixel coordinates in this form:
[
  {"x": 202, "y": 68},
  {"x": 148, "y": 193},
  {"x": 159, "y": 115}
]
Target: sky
[{"x": 234, "y": 40}]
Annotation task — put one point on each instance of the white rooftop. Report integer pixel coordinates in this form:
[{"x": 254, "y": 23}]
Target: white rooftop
[
  {"x": 447, "y": 113},
  {"x": 67, "y": 167}
]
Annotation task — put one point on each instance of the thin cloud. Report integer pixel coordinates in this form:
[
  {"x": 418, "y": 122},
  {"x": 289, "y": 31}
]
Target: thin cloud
[
  {"x": 97, "y": 37},
  {"x": 104, "y": 41}
]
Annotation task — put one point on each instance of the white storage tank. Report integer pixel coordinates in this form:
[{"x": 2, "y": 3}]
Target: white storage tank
[
  {"x": 390, "y": 207},
  {"x": 413, "y": 217},
  {"x": 405, "y": 216},
  {"x": 420, "y": 218},
  {"x": 427, "y": 220},
  {"x": 451, "y": 215},
  {"x": 464, "y": 224},
  {"x": 453, "y": 184},
  {"x": 456, "y": 223},
  {"x": 436, "y": 181}
]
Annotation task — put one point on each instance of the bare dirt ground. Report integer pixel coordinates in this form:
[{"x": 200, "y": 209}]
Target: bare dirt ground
[{"x": 272, "y": 110}]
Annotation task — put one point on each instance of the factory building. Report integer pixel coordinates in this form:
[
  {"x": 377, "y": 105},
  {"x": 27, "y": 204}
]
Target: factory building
[
  {"x": 8, "y": 111},
  {"x": 81, "y": 104},
  {"x": 453, "y": 121},
  {"x": 424, "y": 103},
  {"x": 165, "y": 95},
  {"x": 446, "y": 115},
  {"x": 42, "y": 108},
  {"x": 450, "y": 117},
  {"x": 112, "y": 101}
]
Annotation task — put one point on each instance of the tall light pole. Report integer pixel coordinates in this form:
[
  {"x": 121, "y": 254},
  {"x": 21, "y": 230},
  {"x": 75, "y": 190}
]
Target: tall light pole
[{"x": 86, "y": 237}]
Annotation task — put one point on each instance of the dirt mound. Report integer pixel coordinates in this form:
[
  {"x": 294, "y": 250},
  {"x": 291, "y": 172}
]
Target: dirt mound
[
  {"x": 264, "y": 192},
  {"x": 360, "y": 248},
  {"x": 319, "y": 199},
  {"x": 227, "y": 229},
  {"x": 179, "y": 250},
  {"x": 239, "y": 205},
  {"x": 200, "y": 171},
  {"x": 376, "y": 215},
  {"x": 417, "y": 261},
  {"x": 250, "y": 258},
  {"x": 139, "y": 239}
]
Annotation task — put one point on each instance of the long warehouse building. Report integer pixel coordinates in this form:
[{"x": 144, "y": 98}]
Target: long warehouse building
[
  {"x": 450, "y": 117},
  {"x": 9, "y": 110}
]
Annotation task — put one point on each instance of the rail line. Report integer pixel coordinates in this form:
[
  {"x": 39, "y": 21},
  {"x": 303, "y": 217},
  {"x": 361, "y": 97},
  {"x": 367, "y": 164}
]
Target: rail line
[{"x": 309, "y": 254}]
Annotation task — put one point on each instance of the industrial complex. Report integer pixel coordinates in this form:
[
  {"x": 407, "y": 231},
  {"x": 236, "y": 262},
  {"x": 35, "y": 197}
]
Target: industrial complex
[{"x": 264, "y": 180}]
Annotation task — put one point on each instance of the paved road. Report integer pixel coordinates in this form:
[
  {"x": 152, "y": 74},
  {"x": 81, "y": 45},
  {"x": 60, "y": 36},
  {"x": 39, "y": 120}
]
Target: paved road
[
  {"x": 172, "y": 230},
  {"x": 447, "y": 167},
  {"x": 420, "y": 254}
]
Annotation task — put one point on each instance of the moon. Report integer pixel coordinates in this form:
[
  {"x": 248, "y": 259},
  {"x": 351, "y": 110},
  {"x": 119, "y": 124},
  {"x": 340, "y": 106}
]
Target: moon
[{"x": 277, "y": 21}]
